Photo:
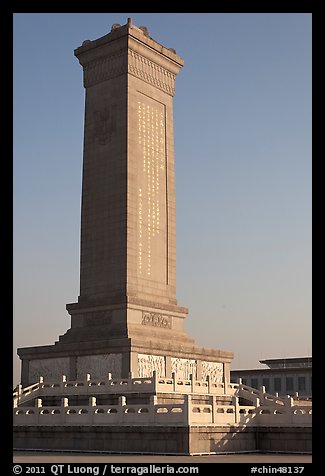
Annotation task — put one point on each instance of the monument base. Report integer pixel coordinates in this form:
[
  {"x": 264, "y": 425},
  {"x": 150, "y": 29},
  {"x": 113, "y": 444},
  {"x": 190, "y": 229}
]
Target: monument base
[{"x": 135, "y": 338}]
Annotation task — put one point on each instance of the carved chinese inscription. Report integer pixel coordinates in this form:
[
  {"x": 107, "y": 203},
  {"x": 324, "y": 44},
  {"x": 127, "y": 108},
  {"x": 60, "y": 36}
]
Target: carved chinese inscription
[
  {"x": 152, "y": 201},
  {"x": 156, "y": 320}
]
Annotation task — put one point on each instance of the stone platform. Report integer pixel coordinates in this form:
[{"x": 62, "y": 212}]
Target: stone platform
[
  {"x": 157, "y": 415},
  {"x": 165, "y": 440}
]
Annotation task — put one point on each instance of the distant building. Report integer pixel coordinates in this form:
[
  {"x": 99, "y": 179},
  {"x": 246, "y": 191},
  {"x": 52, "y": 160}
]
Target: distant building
[{"x": 284, "y": 376}]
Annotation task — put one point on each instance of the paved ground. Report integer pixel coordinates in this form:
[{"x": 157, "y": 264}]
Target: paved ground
[{"x": 56, "y": 457}]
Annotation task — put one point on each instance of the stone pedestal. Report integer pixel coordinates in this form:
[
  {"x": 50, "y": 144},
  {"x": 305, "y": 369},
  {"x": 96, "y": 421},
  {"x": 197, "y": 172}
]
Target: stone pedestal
[{"x": 127, "y": 318}]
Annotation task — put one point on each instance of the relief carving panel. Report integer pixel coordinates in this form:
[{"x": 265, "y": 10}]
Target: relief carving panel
[
  {"x": 214, "y": 370},
  {"x": 49, "y": 369},
  {"x": 183, "y": 368},
  {"x": 148, "y": 363},
  {"x": 98, "y": 366}
]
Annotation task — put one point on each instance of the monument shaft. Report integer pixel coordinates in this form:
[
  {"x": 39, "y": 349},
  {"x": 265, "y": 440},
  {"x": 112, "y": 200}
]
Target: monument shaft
[{"x": 128, "y": 201}]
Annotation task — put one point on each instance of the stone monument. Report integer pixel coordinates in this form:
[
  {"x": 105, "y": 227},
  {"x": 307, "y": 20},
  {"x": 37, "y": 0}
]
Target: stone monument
[
  {"x": 126, "y": 378},
  {"x": 127, "y": 320}
]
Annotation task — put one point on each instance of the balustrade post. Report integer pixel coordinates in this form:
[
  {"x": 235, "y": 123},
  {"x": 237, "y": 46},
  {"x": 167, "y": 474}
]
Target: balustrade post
[
  {"x": 187, "y": 409},
  {"x": 92, "y": 401},
  {"x": 209, "y": 383},
  {"x": 237, "y": 414},
  {"x": 262, "y": 393},
  {"x": 65, "y": 402},
  {"x": 152, "y": 410},
  {"x": 38, "y": 403},
  {"x": 214, "y": 408},
  {"x": 122, "y": 401},
  {"x": 174, "y": 381},
  {"x": 154, "y": 380},
  {"x": 19, "y": 392},
  {"x": 153, "y": 399},
  {"x": 192, "y": 378},
  {"x": 288, "y": 401},
  {"x": 63, "y": 383},
  {"x": 129, "y": 384},
  {"x": 225, "y": 378}
]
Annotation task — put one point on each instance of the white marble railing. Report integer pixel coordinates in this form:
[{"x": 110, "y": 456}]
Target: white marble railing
[
  {"x": 152, "y": 413},
  {"x": 91, "y": 387},
  {"x": 259, "y": 396},
  {"x": 263, "y": 406},
  {"x": 101, "y": 415},
  {"x": 191, "y": 386},
  {"x": 84, "y": 387},
  {"x": 187, "y": 413},
  {"x": 23, "y": 393}
]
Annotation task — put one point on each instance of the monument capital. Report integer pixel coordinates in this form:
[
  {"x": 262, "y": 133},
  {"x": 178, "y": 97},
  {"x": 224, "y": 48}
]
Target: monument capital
[{"x": 129, "y": 49}]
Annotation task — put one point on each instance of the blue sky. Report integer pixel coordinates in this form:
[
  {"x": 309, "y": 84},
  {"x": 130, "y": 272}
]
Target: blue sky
[{"x": 242, "y": 118}]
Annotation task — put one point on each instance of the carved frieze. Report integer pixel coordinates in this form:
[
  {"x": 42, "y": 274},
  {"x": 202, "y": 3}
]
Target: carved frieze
[
  {"x": 214, "y": 370},
  {"x": 105, "y": 68},
  {"x": 134, "y": 63},
  {"x": 157, "y": 320},
  {"x": 148, "y": 363},
  {"x": 184, "y": 368},
  {"x": 151, "y": 72}
]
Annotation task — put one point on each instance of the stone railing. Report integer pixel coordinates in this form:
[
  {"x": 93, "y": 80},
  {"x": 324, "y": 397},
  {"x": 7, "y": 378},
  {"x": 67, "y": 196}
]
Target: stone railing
[
  {"x": 262, "y": 407},
  {"x": 92, "y": 387},
  {"x": 187, "y": 413},
  {"x": 92, "y": 414},
  {"x": 259, "y": 396},
  {"x": 294, "y": 416},
  {"x": 84, "y": 387},
  {"x": 24, "y": 394},
  {"x": 190, "y": 386},
  {"x": 249, "y": 415}
]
